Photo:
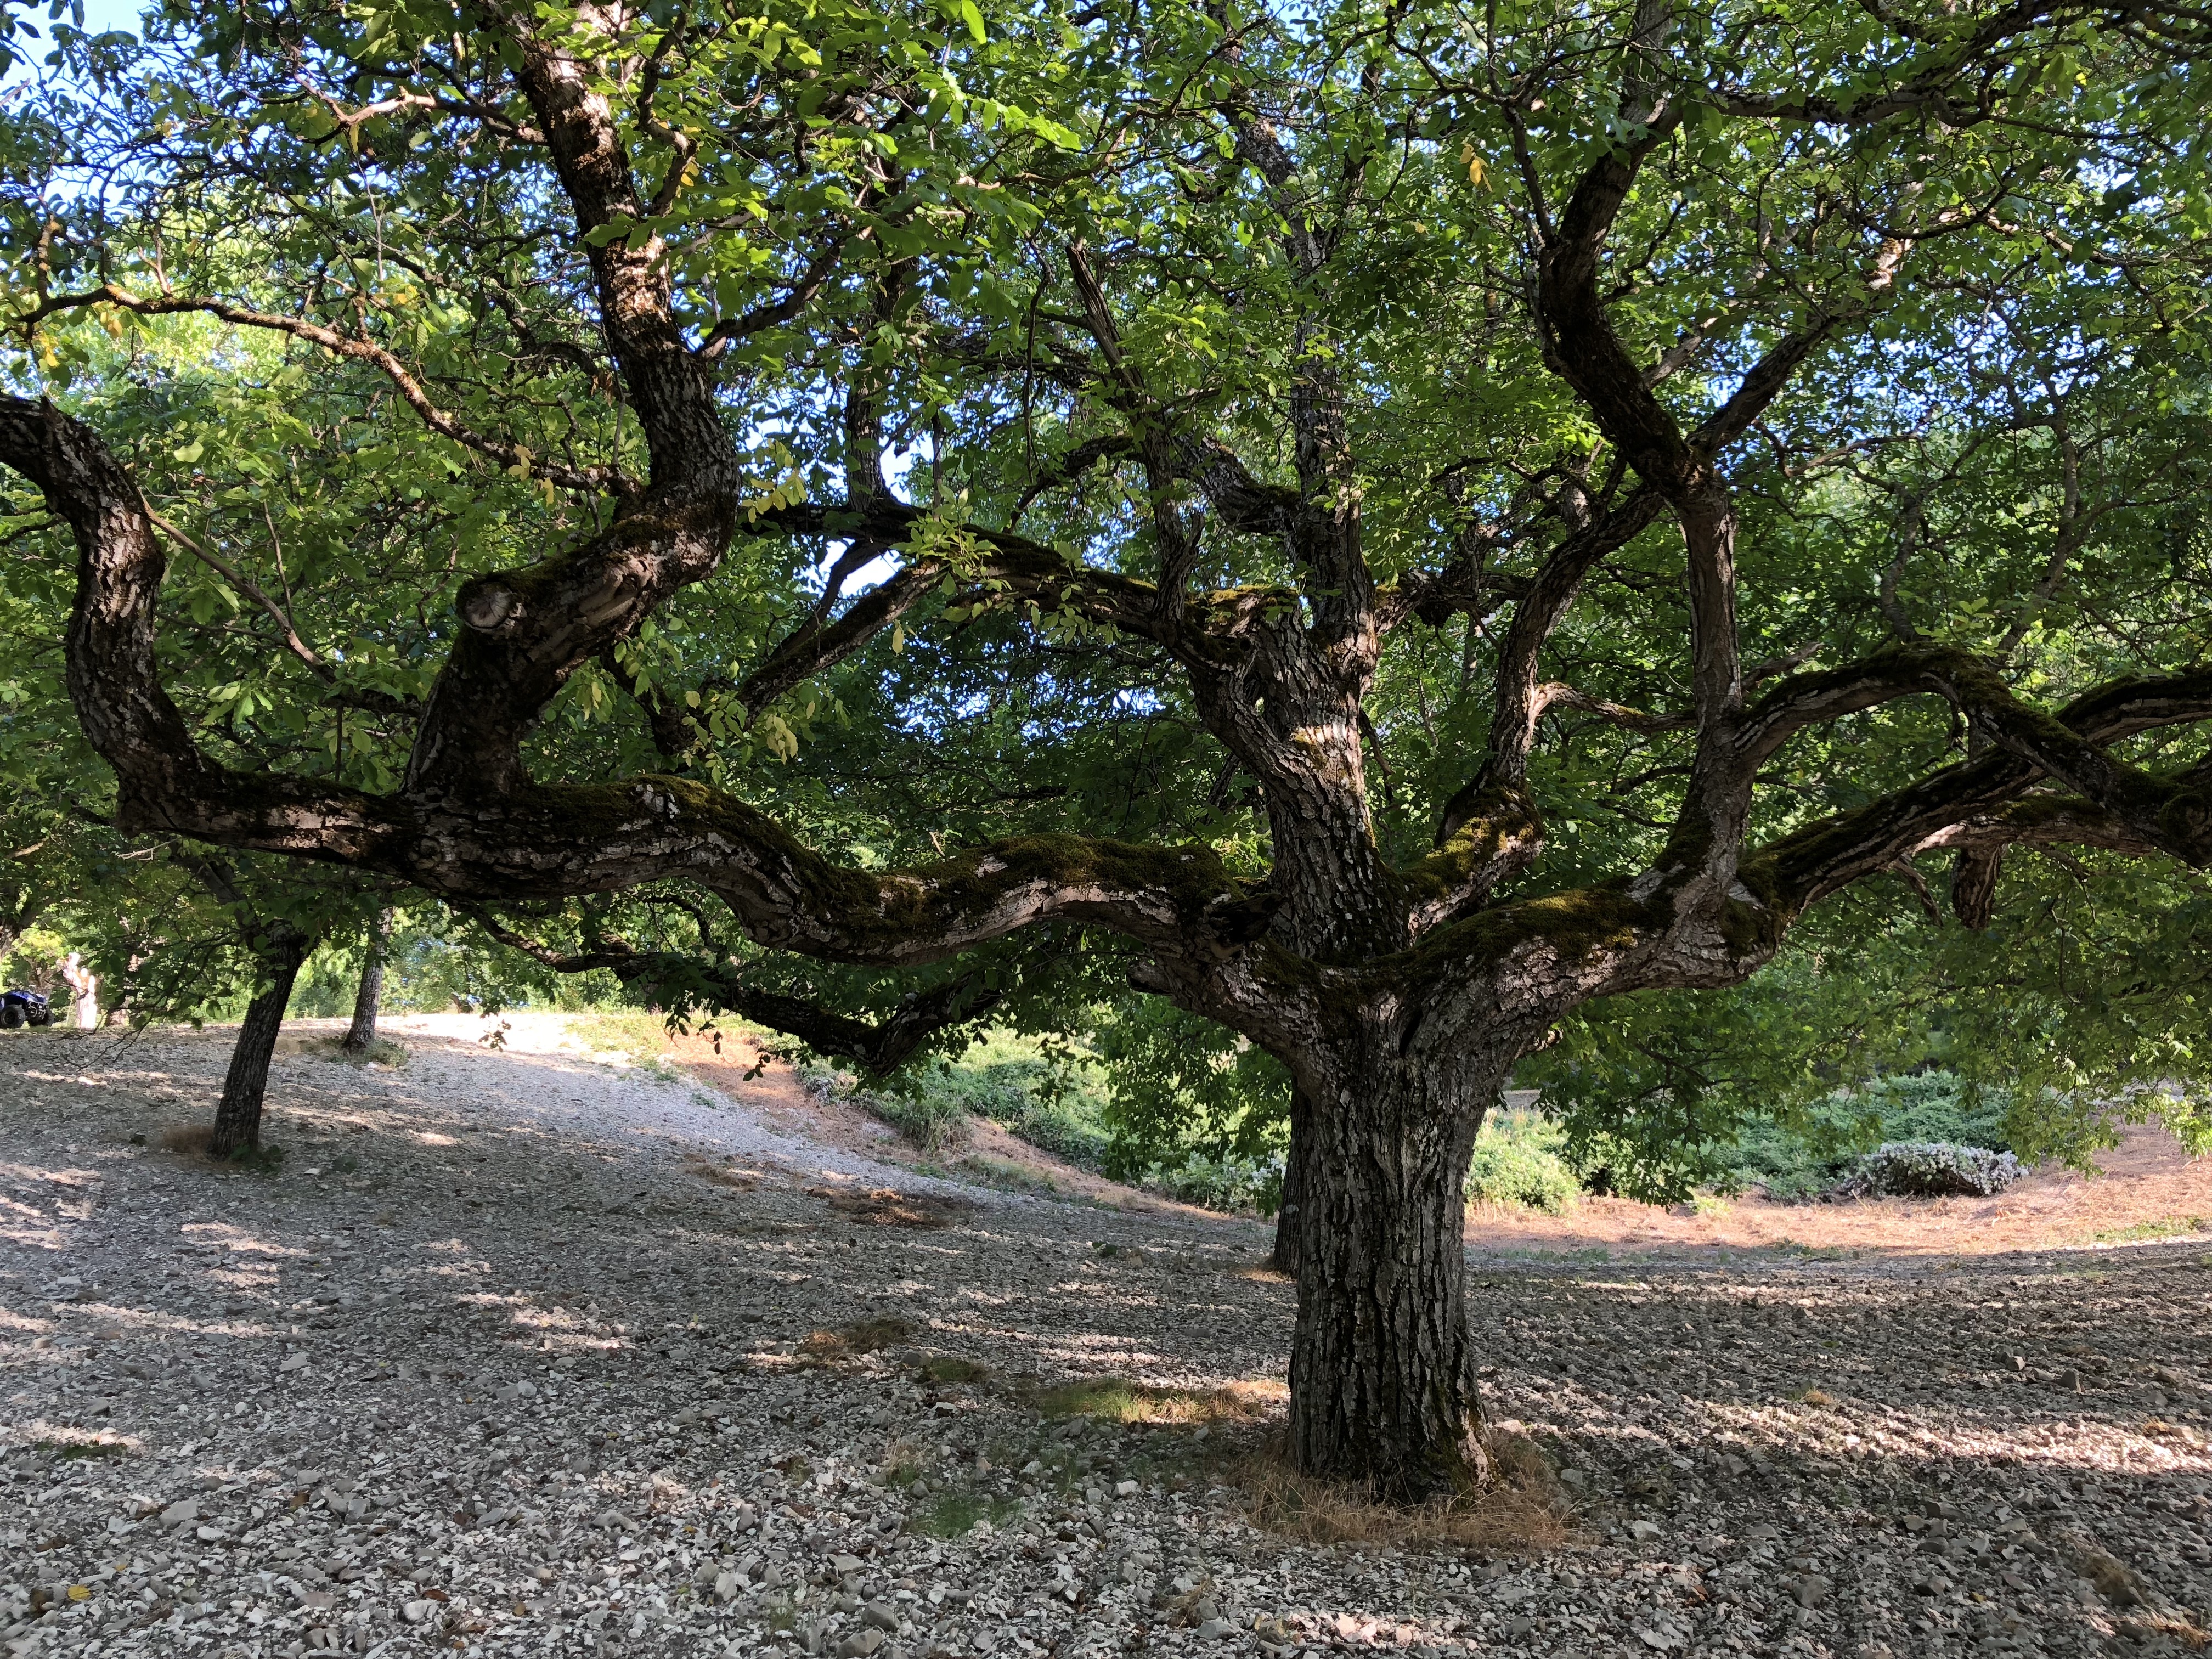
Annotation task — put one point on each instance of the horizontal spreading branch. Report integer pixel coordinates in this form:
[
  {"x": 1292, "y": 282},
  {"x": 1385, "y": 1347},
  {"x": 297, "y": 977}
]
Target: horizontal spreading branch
[
  {"x": 1516, "y": 960},
  {"x": 1557, "y": 696},
  {"x": 2173, "y": 815},
  {"x": 1986, "y": 803},
  {"x": 523, "y": 839},
  {"x": 507, "y": 452},
  {"x": 684, "y": 984}
]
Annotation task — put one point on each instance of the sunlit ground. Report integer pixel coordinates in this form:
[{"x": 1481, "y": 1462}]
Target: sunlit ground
[{"x": 1776, "y": 1452}]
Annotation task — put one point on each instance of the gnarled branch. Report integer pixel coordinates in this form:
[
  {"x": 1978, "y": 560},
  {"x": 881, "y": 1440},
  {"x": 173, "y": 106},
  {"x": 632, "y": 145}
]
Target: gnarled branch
[{"x": 684, "y": 984}]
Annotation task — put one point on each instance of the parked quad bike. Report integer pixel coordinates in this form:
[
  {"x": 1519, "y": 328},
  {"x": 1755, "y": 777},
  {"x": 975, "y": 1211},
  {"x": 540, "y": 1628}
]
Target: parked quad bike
[{"x": 20, "y": 1007}]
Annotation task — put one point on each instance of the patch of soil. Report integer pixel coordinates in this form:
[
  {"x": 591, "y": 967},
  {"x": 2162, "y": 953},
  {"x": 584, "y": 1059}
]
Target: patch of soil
[
  {"x": 2148, "y": 1189},
  {"x": 992, "y": 1156},
  {"x": 736, "y": 1177},
  {"x": 886, "y": 1207},
  {"x": 732, "y": 1064}
]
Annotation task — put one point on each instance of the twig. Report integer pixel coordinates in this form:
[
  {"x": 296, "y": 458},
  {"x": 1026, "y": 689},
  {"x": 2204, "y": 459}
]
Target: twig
[{"x": 299, "y": 646}]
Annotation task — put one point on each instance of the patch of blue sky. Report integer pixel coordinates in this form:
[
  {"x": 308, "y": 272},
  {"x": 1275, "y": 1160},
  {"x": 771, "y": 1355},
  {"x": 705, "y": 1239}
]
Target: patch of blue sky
[{"x": 92, "y": 16}]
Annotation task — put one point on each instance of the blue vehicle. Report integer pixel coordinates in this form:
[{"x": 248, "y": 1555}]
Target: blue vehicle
[{"x": 21, "y": 1007}]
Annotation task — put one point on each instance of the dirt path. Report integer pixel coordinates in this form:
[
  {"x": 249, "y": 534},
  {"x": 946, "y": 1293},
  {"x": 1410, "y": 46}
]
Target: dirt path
[
  {"x": 2148, "y": 1189},
  {"x": 521, "y": 1353}
]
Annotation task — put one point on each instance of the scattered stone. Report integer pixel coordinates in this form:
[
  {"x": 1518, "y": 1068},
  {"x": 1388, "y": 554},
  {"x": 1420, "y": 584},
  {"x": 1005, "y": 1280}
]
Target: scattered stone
[{"x": 680, "y": 1466}]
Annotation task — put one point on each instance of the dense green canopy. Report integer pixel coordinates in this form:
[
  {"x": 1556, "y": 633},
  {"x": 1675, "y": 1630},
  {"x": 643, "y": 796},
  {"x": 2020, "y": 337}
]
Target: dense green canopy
[{"x": 2002, "y": 446}]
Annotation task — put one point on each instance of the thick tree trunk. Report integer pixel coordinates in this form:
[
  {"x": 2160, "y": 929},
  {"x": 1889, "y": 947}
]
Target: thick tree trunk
[
  {"x": 363, "y": 1032},
  {"x": 1383, "y": 1365},
  {"x": 238, "y": 1114}
]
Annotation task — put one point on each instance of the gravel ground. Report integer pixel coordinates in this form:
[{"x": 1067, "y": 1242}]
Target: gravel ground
[{"x": 524, "y": 1354}]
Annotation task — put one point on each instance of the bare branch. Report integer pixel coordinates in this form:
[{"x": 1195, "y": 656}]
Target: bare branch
[
  {"x": 771, "y": 313},
  {"x": 505, "y": 451},
  {"x": 298, "y": 647},
  {"x": 1513, "y": 723}
]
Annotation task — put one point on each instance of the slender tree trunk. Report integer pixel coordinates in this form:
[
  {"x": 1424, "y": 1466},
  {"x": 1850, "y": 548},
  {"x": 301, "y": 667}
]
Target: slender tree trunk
[
  {"x": 371, "y": 994},
  {"x": 1382, "y": 1365},
  {"x": 1285, "y": 1260},
  {"x": 238, "y": 1114}
]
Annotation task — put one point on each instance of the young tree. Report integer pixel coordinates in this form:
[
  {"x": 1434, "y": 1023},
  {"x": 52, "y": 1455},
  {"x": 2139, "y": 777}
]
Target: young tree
[
  {"x": 277, "y": 946},
  {"x": 1256, "y": 381},
  {"x": 361, "y": 1035}
]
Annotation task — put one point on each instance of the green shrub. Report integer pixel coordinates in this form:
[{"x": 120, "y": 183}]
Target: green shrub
[
  {"x": 1519, "y": 1162},
  {"x": 1046, "y": 1096},
  {"x": 1062, "y": 1129},
  {"x": 1233, "y": 1185},
  {"x": 936, "y": 1123},
  {"x": 1822, "y": 1148},
  {"x": 931, "y": 1122}
]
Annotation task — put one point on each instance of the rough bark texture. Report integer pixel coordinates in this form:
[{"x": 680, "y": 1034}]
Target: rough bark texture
[
  {"x": 369, "y": 995},
  {"x": 238, "y": 1113},
  {"x": 1382, "y": 1363},
  {"x": 1974, "y": 885}
]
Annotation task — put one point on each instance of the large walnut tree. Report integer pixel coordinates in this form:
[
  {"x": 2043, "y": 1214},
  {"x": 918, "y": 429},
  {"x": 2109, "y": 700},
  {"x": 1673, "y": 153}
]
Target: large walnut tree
[{"x": 1266, "y": 382}]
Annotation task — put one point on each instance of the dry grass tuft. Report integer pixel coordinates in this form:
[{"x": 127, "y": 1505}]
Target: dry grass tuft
[
  {"x": 1118, "y": 1400},
  {"x": 862, "y": 1336},
  {"x": 885, "y": 1206},
  {"x": 191, "y": 1139},
  {"x": 723, "y": 1174},
  {"x": 1525, "y": 1508},
  {"x": 2115, "y": 1581},
  {"x": 2174, "y": 1627},
  {"x": 867, "y": 1335},
  {"x": 951, "y": 1368}
]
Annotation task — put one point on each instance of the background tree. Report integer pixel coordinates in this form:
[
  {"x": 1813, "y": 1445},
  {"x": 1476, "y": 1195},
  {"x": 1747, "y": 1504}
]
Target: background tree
[
  {"x": 369, "y": 996},
  {"x": 1144, "y": 429}
]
